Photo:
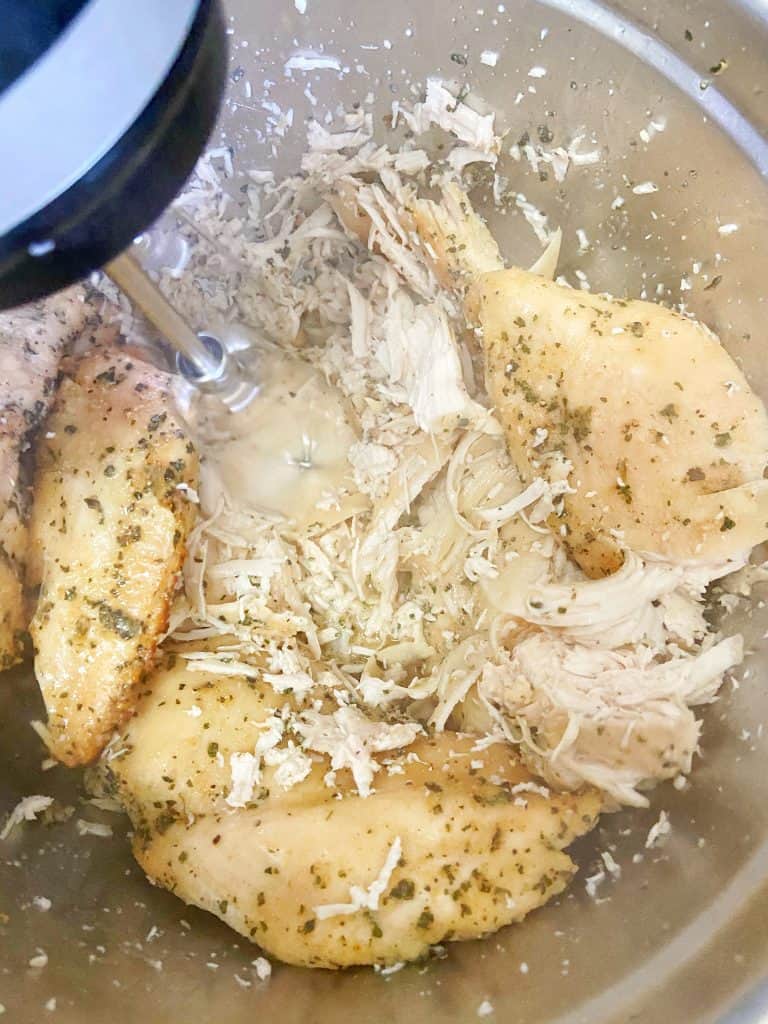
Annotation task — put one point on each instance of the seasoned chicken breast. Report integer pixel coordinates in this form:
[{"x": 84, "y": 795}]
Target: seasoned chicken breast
[
  {"x": 666, "y": 439},
  {"x": 453, "y": 842},
  {"x": 108, "y": 530},
  {"x": 31, "y": 342}
]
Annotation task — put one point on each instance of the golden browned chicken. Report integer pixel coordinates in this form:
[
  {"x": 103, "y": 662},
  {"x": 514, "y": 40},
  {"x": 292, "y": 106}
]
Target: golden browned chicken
[
  {"x": 31, "y": 342},
  {"x": 108, "y": 531},
  {"x": 231, "y": 814},
  {"x": 666, "y": 439}
]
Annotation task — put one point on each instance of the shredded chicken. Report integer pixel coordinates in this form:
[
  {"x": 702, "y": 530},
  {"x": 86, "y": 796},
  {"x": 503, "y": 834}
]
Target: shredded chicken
[
  {"x": 617, "y": 720},
  {"x": 450, "y": 509}
]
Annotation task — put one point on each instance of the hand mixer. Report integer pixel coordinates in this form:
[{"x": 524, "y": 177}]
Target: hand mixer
[
  {"x": 202, "y": 359},
  {"x": 104, "y": 108}
]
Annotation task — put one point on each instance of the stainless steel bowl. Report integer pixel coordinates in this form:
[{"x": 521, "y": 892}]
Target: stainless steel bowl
[{"x": 683, "y": 935}]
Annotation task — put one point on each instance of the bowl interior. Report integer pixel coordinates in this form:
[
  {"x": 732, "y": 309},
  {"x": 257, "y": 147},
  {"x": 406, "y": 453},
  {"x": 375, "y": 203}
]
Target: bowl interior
[{"x": 681, "y": 935}]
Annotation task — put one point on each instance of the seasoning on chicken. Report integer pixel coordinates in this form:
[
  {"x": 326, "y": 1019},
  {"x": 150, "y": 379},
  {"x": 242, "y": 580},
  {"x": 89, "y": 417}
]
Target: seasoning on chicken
[
  {"x": 404, "y": 572},
  {"x": 453, "y": 842},
  {"x": 108, "y": 530},
  {"x": 31, "y": 342},
  {"x": 666, "y": 439}
]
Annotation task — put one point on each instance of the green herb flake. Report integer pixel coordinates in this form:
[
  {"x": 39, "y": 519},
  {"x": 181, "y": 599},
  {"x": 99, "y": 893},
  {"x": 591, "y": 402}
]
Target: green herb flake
[
  {"x": 580, "y": 422},
  {"x": 129, "y": 535},
  {"x": 528, "y": 393},
  {"x": 404, "y": 890},
  {"x": 119, "y": 622}
]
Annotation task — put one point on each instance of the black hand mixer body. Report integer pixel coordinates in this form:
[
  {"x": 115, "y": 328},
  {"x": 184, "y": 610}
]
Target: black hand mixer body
[{"x": 105, "y": 106}]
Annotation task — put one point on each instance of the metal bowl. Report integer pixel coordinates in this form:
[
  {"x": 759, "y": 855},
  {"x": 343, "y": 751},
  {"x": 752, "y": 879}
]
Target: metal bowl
[{"x": 682, "y": 935}]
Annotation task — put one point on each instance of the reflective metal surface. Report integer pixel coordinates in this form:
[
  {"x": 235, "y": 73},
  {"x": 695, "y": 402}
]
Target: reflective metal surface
[{"x": 683, "y": 935}]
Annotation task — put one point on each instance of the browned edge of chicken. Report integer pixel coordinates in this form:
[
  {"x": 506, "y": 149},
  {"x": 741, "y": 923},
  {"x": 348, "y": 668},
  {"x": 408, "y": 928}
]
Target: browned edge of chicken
[{"x": 110, "y": 519}]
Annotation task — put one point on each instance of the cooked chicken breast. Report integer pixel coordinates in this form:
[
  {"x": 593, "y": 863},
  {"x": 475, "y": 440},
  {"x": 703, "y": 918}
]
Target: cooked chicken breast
[
  {"x": 667, "y": 440},
  {"x": 108, "y": 530},
  {"x": 453, "y": 842},
  {"x": 31, "y": 342}
]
